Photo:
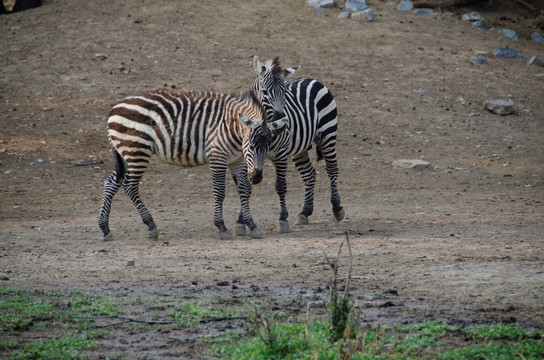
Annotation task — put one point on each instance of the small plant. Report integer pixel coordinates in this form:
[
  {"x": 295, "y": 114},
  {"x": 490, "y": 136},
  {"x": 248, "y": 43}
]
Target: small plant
[{"x": 340, "y": 307}]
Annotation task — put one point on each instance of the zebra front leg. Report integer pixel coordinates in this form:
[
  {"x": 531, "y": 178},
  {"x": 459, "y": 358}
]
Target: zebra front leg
[
  {"x": 218, "y": 169},
  {"x": 131, "y": 187},
  {"x": 111, "y": 186},
  {"x": 240, "y": 226},
  {"x": 244, "y": 188},
  {"x": 307, "y": 171},
  {"x": 281, "y": 190}
]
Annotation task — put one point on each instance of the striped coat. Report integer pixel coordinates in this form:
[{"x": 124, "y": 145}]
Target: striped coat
[{"x": 188, "y": 129}]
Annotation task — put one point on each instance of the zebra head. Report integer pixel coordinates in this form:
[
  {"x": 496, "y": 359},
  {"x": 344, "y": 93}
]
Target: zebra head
[
  {"x": 257, "y": 143},
  {"x": 270, "y": 87}
]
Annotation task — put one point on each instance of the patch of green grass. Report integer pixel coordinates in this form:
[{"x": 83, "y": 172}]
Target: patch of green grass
[
  {"x": 311, "y": 339},
  {"x": 52, "y": 313},
  {"x": 496, "y": 332},
  {"x": 527, "y": 349},
  {"x": 62, "y": 348},
  {"x": 188, "y": 314}
]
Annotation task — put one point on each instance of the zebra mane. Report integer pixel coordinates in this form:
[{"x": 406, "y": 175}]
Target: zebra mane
[
  {"x": 274, "y": 65},
  {"x": 250, "y": 98}
]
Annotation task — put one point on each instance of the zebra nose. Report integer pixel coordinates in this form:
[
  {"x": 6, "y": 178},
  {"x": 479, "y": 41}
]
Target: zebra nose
[
  {"x": 256, "y": 177},
  {"x": 278, "y": 115}
]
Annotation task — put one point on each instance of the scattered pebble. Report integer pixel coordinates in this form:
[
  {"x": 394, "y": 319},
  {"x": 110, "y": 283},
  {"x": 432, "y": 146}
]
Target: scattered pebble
[
  {"x": 344, "y": 15},
  {"x": 501, "y": 107},
  {"x": 506, "y": 52},
  {"x": 479, "y": 60},
  {"x": 472, "y": 16},
  {"x": 423, "y": 11},
  {"x": 405, "y": 5},
  {"x": 511, "y": 34},
  {"x": 321, "y": 4},
  {"x": 536, "y": 61},
  {"x": 538, "y": 38},
  {"x": 479, "y": 24},
  {"x": 365, "y": 15},
  {"x": 411, "y": 164},
  {"x": 356, "y": 5}
]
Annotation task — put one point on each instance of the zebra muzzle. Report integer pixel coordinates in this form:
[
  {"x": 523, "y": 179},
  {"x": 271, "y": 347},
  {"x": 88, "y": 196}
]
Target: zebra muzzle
[{"x": 256, "y": 176}]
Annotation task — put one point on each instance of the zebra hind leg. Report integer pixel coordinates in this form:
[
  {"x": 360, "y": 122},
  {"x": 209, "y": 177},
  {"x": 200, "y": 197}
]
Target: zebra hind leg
[
  {"x": 307, "y": 171},
  {"x": 332, "y": 171},
  {"x": 131, "y": 187},
  {"x": 111, "y": 186}
]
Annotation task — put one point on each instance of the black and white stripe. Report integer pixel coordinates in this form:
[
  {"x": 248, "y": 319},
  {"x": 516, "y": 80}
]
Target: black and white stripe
[
  {"x": 312, "y": 119},
  {"x": 188, "y": 129}
]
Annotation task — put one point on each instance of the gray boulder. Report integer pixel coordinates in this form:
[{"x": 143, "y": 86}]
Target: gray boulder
[
  {"x": 506, "y": 52},
  {"x": 501, "y": 107},
  {"x": 356, "y": 5}
]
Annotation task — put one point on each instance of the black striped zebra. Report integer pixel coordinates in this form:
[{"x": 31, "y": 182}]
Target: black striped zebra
[
  {"x": 188, "y": 129},
  {"x": 312, "y": 119}
]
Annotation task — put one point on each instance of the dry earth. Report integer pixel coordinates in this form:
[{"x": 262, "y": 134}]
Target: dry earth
[{"x": 460, "y": 243}]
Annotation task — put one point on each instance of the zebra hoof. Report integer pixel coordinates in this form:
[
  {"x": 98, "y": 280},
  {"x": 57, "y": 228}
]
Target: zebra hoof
[
  {"x": 109, "y": 237},
  {"x": 283, "y": 226},
  {"x": 226, "y": 236},
  {"x": 239, "y": 229},
  {"x": 302, "y": 220},
  {"x": 153, "y": 234},
  {"x": 339, "y": 215},
  {"x": 256, "y": 233}
]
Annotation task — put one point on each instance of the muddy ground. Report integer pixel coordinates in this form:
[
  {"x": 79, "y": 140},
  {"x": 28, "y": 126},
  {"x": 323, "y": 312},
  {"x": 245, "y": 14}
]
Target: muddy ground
[{"x": 460, "y": 243}]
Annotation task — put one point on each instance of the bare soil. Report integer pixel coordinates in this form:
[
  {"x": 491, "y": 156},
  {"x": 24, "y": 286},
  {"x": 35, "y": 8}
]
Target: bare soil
[{"x": 460, "y": 243}]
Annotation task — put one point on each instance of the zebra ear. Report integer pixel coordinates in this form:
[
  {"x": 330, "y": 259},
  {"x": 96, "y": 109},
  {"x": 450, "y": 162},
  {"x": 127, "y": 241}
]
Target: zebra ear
[
  {"x": 288, "y": 71},
  {"x": 277, "y": 126},
  {"x": 247, "y": 122},
  {"x": 258, "y": 66}
]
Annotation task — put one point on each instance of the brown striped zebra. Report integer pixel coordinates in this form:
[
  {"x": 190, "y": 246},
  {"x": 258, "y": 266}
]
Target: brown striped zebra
[{"x": 187, "y": 129}]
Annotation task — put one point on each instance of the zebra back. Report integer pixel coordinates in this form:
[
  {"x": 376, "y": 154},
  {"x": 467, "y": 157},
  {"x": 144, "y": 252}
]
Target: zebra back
[{"x": 181, "y": 128}]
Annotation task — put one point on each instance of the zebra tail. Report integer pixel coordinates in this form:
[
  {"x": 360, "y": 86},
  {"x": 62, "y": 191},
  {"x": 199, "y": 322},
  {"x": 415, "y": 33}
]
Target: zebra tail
[
  {"x": 120, "y": 166},
  {"x": 319, "y": 154}
]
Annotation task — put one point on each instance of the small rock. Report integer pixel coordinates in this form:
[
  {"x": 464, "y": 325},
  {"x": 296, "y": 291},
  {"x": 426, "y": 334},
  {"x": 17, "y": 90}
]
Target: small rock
[
  {"x": 506, "y": 52},
  {"x": 366, "y": 15},
  {"x": 222, "y": 283},
  {"x": 511, "y": 34},
  {"x": 483, "y": 53},
  {"x": 411, "y": 164},
  {"x": 479, "y": 60},
  {"x": 405, "y": 5},
  {"x": 131, "y": 262},
  {"x": 101, "y": 56},
  {"x": 423, "y": 11},
  {"x": 536, "y": 61},
  {"x": 344, "y": 15},
  {"x": 501, "y": 107},
  {"x": 325, "y": 4},
  {"x": 450, "y": 15},
  {"x": 356, "y": 5},
  {"x": 538, "y": 38},
  {"x": 472, "y": 16},
  {"x": 479, "y": 24}
]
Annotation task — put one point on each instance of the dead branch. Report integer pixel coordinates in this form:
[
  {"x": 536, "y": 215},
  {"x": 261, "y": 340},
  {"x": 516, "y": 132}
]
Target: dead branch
[
  {"x": 529, "y": 7},
  {"x": 350, "y": 265},
  {"x": 442, "y": 4},
  {"x": 125, "y": 320}
]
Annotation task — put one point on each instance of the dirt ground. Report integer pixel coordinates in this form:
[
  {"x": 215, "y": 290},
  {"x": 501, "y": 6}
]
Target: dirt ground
[{"x": 460, "y": 243}]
